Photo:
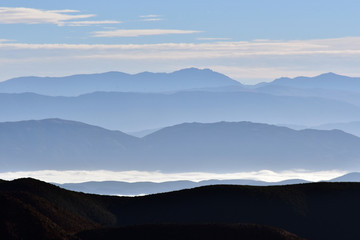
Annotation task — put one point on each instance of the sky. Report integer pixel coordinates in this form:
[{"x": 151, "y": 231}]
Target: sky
[{"x": 249, "y": 40}]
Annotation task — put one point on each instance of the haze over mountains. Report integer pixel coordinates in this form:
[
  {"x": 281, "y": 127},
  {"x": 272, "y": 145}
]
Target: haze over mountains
[
  {"x": 188, "y": 95},
  {"x": 324, "y": 81},
  {"x": 140, "y": 188},
  {"x": 218, "y": 147},
  {"x": 139, "y": 111},
  {"x": 204, "y": 122},
  {"x": 117, "y": 81}
]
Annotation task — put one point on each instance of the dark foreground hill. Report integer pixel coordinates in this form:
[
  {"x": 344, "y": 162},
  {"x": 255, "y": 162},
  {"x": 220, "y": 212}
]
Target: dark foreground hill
[
  {"x": 30, "y": 208},
  {"x": 190, "y": 232}
]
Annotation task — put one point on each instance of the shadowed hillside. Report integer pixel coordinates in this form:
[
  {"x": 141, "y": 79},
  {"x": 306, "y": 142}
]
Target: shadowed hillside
[
  {"x": 313, "y": 211},
  {"x": 191, "y": 232}
]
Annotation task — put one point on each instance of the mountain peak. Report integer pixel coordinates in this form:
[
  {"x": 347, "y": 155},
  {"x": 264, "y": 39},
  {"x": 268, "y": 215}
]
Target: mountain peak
[
  {"x": 330, "y": 75},
  {"x": 184, "y": 79}
]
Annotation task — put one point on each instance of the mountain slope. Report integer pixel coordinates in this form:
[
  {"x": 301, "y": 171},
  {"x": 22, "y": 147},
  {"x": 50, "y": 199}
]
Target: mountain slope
[
  {"x": 136, "y": 111},
  {"x": 323, "y": 81},
  {"x": 60, "y": 144},
  {"x": 213, "y": 147},
  {"x": 351, "y": 97},
  {"x": 190, "y": 232},
  {"x": 349, "y": 127},
  {"x": 314, "y": 211},
  {"x": 350, "y": 177},
  {"x": 243, "y": 145},
  {"x": 117, "y": 81}
]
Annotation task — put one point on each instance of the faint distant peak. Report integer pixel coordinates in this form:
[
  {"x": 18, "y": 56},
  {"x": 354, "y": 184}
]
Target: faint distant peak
[
  {"x": 330, "y": 75},
  {"x": 194, "y": 70}
]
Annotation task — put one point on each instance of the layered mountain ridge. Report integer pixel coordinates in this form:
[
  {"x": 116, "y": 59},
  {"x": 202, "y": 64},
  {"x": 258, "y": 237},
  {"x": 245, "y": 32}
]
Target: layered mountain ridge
[{"x": 222, "y": 146}]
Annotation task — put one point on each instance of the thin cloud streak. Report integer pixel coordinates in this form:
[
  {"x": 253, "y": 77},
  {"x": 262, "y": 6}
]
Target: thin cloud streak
[
  {"x": 246, "y": 61},
  {"x": 5, "y": 40},
  {"x": 89, "y": 23},
  {"x": 346, "y": 46},
  {"x": 38, "y": 16},
  {"x": 77, "y": 176},
  {"x": 150, "y": 16},
  {"x": 151, "y": 19},
  {"x": 213, "y": 39},
  {"x": 140, "y": 32}
]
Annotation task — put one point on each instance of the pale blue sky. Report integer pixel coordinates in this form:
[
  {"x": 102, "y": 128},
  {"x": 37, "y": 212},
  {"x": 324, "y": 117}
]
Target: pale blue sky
[{"x": 251, "y": 41}]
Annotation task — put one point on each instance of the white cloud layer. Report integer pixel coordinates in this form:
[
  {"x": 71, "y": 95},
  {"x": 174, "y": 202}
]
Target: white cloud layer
[
  {"x": 336, "y": 46},
  {"x": 150, "y": 16},
  {"x": 213, "y": 39},
  {"x": 5, "y": 40},
  {"x": 37, "y": 16},
  {"x": 152, "y": 19},
  {"x": 140, "y": 176},
  {"x": 247, "y": 61},
  {"x": 89, "y": 23},
  {"x": 140, "y": 32}
]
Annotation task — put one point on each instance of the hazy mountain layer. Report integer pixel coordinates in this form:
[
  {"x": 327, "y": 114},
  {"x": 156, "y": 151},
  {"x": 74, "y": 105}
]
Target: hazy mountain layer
[
  {"x": 323, "y": 81},
  {"x": 216, "y": 147},
  {"x": 139, "y": 188},
  {"x": 118, "y": 81},
  {"x": 349, "y": 127},
  {"x": 137, "y": 111}
]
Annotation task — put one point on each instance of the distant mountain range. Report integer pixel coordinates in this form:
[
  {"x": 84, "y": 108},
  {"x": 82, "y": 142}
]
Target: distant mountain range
[
  {"x": 313, "y": 211},
  {"x": 137, "y": 111},
  {"x": 133, "y": 103},
  {"x": 350, "y": 177},
  {"x": 118, "y": 82},
  {"x": 215, "y": 147},
  {"x": 140, "y": 188},
  {"x": 349, "y": 127},
  {"x": 324, "y": 81}
]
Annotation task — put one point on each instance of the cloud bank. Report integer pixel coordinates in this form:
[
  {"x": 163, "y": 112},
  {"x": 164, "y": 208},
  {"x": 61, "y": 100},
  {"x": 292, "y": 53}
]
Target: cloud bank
[
  {"x": 38, "y": 16},
  {"x": 247, "y": 61},
  {"x": 140, "y": 32},
  {"x": 141, "y": 176}
]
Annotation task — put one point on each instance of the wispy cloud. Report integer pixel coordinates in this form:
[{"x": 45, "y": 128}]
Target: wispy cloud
[
  {"x": 151, "y": 19},
  {"x": 343, "y": 46},
  {"x": 89, "y": 23},
  {"x": 5, "y": 40},
  {"x": 246, "y": 61},
  {"x": 150, "y": 16},
  {"x": 140, "y": 32},
  {"x": 213, "y": 39},
  {"x": 157, "y": 176},
  {"x": 38, "y": 16}
]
